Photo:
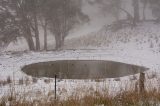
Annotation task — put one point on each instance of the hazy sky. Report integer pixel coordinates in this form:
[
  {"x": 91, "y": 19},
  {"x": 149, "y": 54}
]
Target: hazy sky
[{"x": 97, "y": 20}]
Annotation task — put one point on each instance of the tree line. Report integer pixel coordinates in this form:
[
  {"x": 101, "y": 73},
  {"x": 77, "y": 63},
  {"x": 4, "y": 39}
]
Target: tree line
[
  {"x": 23, "y": 18},
  {"x": 116, "y": 8}
]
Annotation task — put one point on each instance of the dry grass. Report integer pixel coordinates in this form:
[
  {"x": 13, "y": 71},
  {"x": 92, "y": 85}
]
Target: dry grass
[
  {"x": 92, "y": 97},
  {"x": 126, "y": 98}
]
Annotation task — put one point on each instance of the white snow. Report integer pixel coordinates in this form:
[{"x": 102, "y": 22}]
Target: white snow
[{"x": 130, "y": 46}]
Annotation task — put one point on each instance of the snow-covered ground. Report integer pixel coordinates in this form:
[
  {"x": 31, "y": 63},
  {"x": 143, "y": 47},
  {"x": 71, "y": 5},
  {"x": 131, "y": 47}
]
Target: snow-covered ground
[
  {"x": 11, "y": 65},
  {"x": 138, "y": 46}
]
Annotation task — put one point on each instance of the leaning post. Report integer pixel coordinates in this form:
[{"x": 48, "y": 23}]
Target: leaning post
[
  {"x": 141, "y": 82},
  {"x": 55, "y": 86}
]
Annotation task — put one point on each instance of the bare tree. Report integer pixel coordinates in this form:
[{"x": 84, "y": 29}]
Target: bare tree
[
  {"x": 155, "y": 6},
  {"x": 22, "y": 9},
  {"x": 35, "y": 10},
  {"x": 135, "y": 4},
  {"x": 43, "y": 17},
  {"x": 145, "y": 2},
  {"x": 60, "y": 15},
  {"x": 44, "y": 25},
  {"x": 27, "y": 12},
  {"x": 9, "y": 26},
  {"x": 63, "y": 16}
]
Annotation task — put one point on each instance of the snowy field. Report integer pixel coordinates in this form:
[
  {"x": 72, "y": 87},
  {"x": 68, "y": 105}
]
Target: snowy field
[
  {"x": 139, "y": 46},
  {"x": 11, "y": 65}
]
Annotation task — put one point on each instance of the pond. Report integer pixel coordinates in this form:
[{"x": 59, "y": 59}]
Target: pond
[{"x": 81, "y": 69}]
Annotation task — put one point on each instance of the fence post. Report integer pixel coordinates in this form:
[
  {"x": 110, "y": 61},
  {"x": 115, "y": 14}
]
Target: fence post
[
  {"x": 55, "y": 86},
  {"x": 141, "y": 83}
]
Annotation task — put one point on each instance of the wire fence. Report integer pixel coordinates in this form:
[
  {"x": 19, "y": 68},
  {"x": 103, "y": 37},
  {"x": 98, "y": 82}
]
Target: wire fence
[{"x": 62, "y": 87}]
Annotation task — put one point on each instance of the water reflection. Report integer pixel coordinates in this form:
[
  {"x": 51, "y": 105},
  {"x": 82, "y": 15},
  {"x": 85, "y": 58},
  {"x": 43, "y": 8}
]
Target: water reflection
[{"x": 81, "y": 69}]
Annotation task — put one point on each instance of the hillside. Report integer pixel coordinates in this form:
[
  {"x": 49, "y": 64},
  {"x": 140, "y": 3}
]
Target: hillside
[{"x": 146, "y": 36}]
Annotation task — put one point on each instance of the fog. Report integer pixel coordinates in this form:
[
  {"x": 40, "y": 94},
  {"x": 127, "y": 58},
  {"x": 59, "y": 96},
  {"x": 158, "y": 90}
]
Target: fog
[{"x": 99, "y": 14}]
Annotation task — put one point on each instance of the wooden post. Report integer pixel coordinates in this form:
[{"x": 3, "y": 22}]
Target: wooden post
[
  {"x": 55, "y": 86},
  {"x": 141, "y": 83}
]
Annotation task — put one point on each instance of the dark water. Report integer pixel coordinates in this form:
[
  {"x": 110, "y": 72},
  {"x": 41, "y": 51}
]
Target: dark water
[{"x": 81, "y": 69}]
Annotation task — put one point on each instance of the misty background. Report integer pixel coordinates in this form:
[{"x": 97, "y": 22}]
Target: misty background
[{"x": 89, "y": 16}]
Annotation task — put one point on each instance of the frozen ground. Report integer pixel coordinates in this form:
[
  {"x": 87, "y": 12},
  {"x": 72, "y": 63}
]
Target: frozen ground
[
  {"x": 11, "y": 66},
  {"x": 139, "y": 46}
]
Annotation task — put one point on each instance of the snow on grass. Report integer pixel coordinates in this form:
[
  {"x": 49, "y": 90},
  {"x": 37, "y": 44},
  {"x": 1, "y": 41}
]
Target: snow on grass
[
  {"x": 138, "y": 46},
  {"x": 11, "y": 66},
  {"x": 145, "y": 36}
]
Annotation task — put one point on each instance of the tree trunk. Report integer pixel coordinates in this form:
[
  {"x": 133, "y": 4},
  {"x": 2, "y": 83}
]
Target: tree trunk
[
  {"x": 30, "y": 43},
  {"x": 26, "y": 30},
  {"x": 29, "y": 38},
  {"x": 28, "y": 35},
  {"x": 136, "y": 11},
  {"x": 45, "y": 36},
  {"x": 144, "y": 8},
  {"x": 36, "y": 33},
  {"x": 62, "y": 40},
  {"x": 58, "y": 42}
]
